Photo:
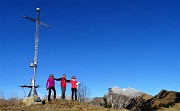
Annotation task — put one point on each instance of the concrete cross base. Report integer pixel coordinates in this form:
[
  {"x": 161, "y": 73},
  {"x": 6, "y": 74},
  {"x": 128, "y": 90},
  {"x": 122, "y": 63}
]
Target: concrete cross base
[{"x": 28, "y": 100}]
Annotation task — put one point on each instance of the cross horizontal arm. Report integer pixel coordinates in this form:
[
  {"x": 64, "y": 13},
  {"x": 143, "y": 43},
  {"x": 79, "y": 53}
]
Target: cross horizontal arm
[
  {"x": 45, "y": 25},
  {"x": 29, "y": 86},
  {"x": 32, "y": 19}
]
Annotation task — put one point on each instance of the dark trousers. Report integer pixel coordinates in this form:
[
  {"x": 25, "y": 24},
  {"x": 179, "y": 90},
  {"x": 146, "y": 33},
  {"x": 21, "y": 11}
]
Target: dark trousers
[
  {"x": 49, "y": 95},
  {"x": 74, "y": 92},
  {"x": 63, "y": 89}
]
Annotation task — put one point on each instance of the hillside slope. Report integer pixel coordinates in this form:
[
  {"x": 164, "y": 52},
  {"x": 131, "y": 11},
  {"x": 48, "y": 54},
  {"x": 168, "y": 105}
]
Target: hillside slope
[
  {"x": 166, "y": 99},
  {"x": 175, "y": 107}
]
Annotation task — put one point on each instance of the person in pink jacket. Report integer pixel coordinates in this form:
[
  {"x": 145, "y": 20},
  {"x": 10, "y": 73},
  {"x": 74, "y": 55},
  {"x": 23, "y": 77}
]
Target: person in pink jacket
[{"x": 50, "y": 85}]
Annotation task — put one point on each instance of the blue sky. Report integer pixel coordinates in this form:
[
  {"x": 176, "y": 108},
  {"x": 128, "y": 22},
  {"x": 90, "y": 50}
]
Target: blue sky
[{"x": 124, "y": 43}]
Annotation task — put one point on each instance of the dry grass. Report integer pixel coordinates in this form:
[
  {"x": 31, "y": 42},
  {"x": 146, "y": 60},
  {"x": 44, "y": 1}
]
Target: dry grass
[
  {"x": 176, "y": 107},
  {"x": 61, "y": 105},
  {"x": 13, "y": 101},
  {"x": 58, "y": 105},
  {"x": 15, "y": 104}
]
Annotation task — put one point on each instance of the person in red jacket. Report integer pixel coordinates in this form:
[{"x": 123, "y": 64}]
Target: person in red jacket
[
  {"x": 74, "y": 87},
  {"x": 63, "y": 85},
  {"x": 50, "y": 84}
]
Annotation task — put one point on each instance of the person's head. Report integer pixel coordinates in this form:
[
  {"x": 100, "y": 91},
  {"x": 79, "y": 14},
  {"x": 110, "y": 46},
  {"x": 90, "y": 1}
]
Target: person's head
[
  {"x": 73, "y": 77},
  {"x": 51, "y": 76},
  {"x": 64, "y": 76}
]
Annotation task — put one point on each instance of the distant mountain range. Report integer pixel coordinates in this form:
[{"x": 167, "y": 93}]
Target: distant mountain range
[
  {"x": 163, "y": 99},
  {"x": 129, "y": 92},
  {"x": 117, "y": 97},
  {"x": 135, "y": 100}
]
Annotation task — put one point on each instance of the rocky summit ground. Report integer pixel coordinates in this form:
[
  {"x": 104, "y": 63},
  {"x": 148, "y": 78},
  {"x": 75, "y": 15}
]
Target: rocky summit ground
[
  {"x": 56, "y": 105},
  {"x": 62, "y": 105}
]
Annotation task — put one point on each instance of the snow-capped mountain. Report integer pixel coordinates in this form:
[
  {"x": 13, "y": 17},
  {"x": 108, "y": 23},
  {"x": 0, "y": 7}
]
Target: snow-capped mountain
[
  {"x": 118, "y": 97},
  {"x": 130, "y": 92}
]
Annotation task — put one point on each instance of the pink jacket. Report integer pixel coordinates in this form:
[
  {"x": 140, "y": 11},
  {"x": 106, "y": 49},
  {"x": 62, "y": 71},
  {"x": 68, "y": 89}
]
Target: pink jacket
[{"x": 50, "y": 82}]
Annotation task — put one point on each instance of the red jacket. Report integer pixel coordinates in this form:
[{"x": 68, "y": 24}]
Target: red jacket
[
  {"x": 73, "y": 82},
  {"x": 63, "y": 82}
]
